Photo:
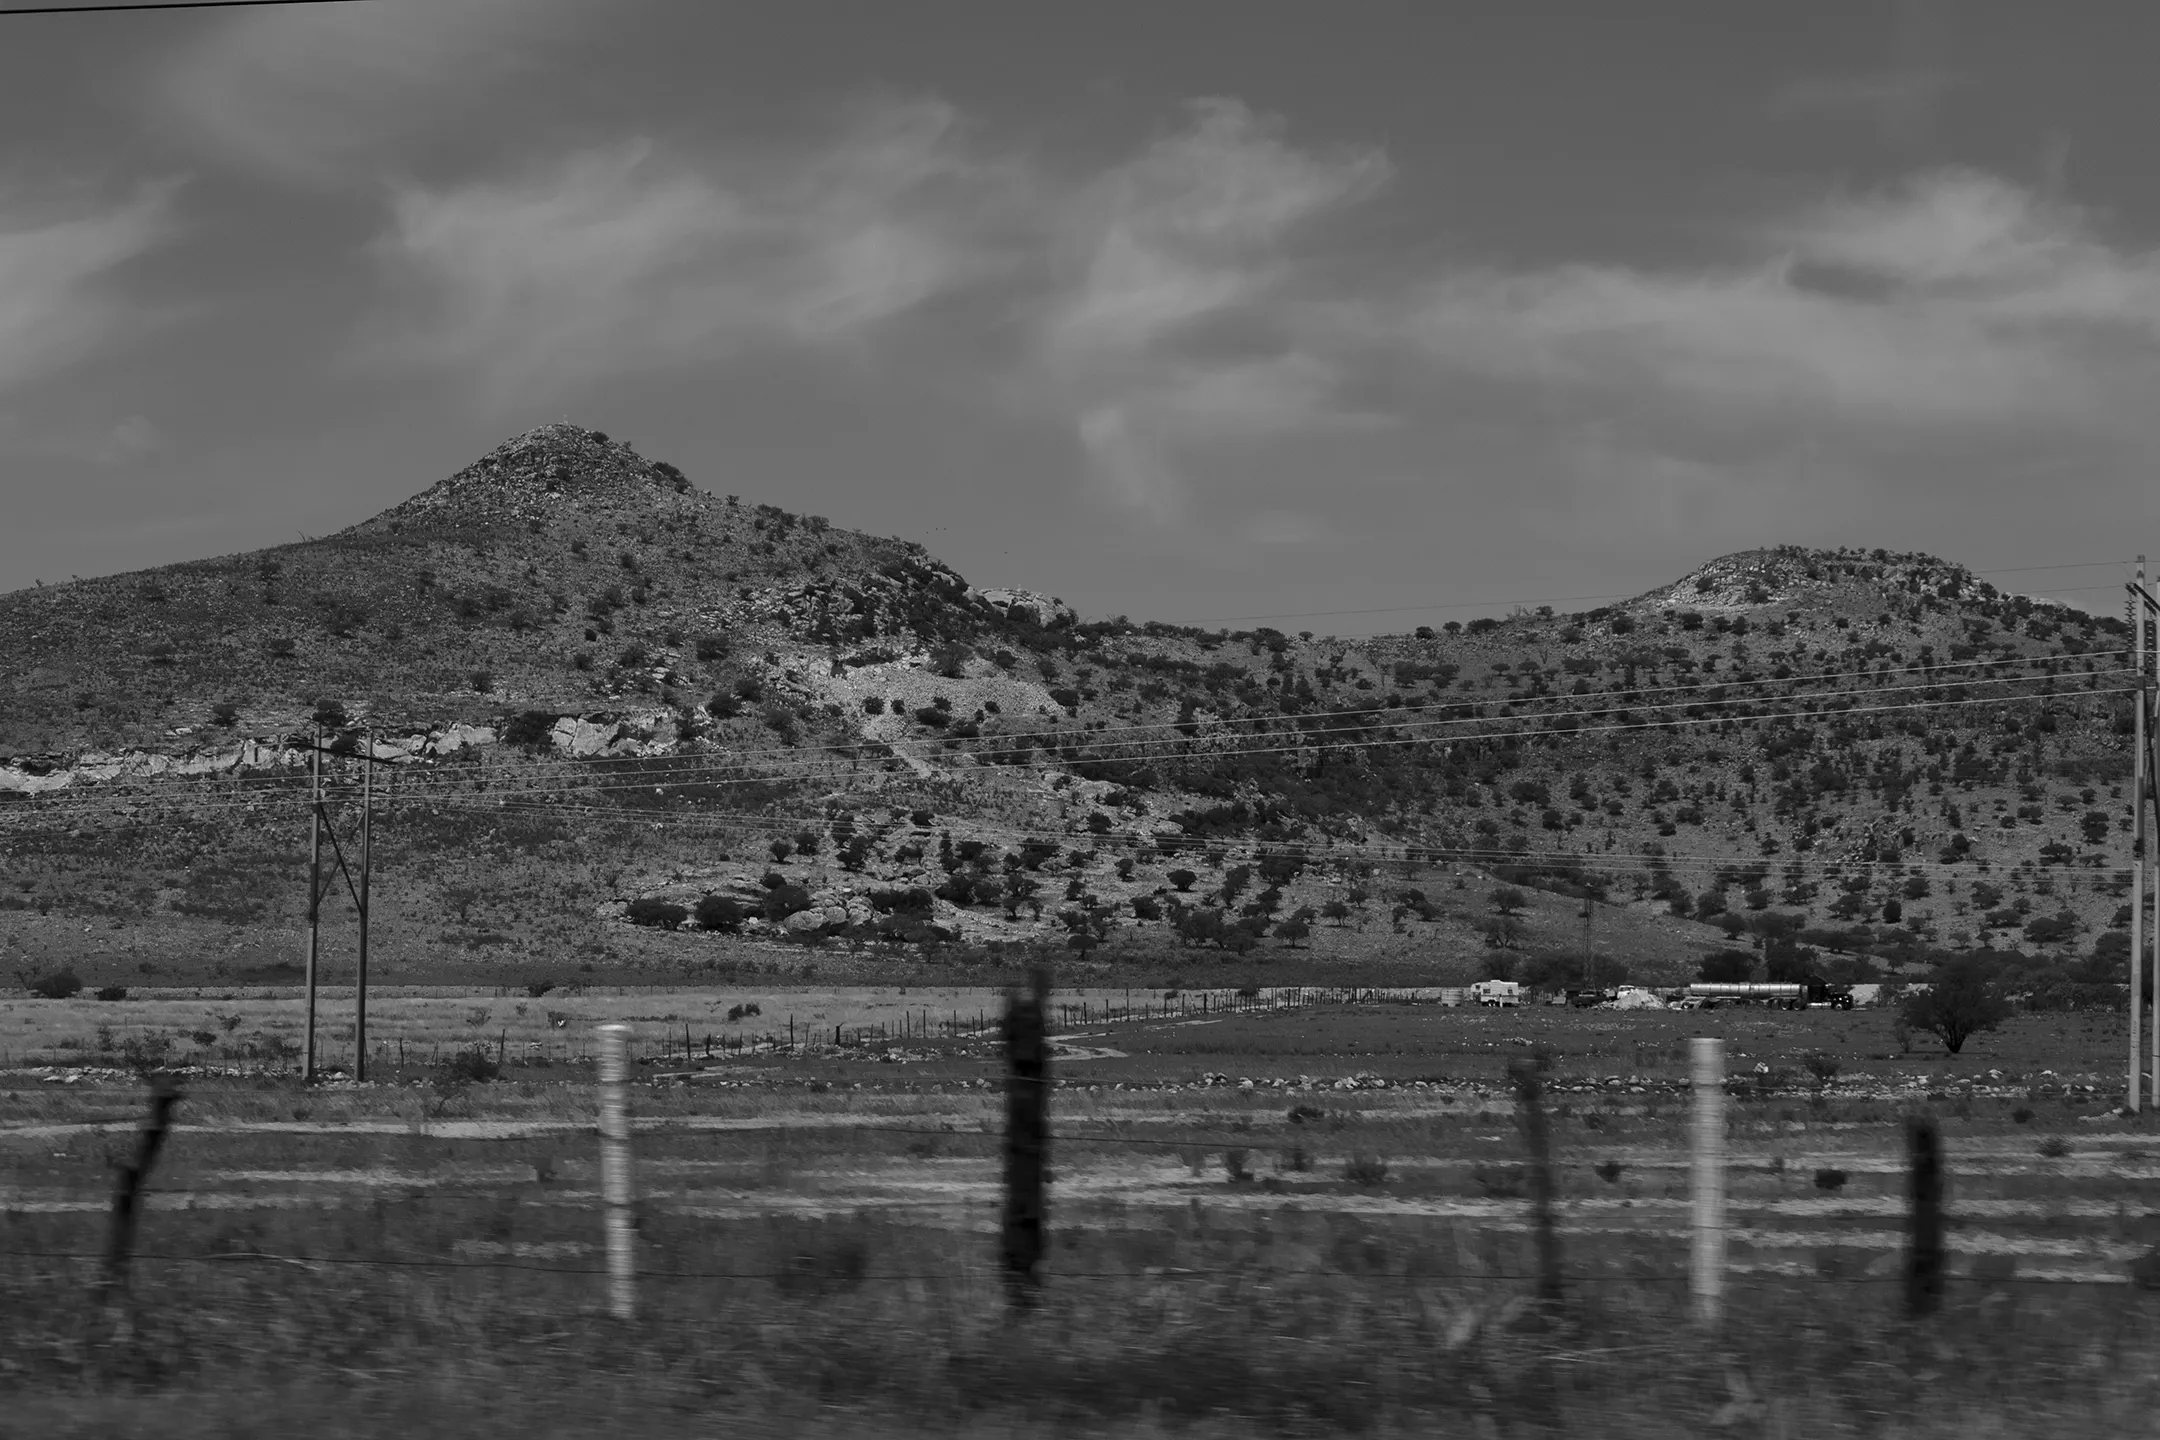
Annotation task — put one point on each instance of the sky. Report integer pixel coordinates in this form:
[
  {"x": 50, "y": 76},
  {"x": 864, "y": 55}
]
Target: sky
[{"x": 1342, "y": 317}]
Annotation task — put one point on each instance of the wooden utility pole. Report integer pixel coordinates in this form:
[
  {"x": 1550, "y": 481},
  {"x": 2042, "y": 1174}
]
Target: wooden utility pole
[
  {"x": 367, "y": 817},
  {"x": 1027, "y": 1138},
  {"x": 1706, "y": 1262},
  {"x": 314, "y": 907},
  {"x": 615, "y": 1192},
  {"x": 1537, "y": 1142},
  {"x": 2132, "y": 1097},
  {"x": 1924, "y": 1253}
]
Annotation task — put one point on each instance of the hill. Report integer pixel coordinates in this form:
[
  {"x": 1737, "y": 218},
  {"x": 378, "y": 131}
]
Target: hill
[{"x": 595, "y": 683}]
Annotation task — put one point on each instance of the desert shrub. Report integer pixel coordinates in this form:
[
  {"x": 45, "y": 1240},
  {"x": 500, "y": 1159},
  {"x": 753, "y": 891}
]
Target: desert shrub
[
  {"x": 470, "y": 1066},
  {"x": 1367, "y": 1172},
  {"x": 1726, "y": 967},
  {"x": 781, "y": 849},
  {"x": 1962, "y": 1002},
  {"x": 873, "y": 705},
  {"x": 652, "y": 910},
  {"x": 52, "y": 985},
  {"x": 112, "y": 992},
  {"x": 482, "y": 681},
  {"x": 530, "y": 730},
  {"x": 1146, "y": 907},
  {"x": 718, "y": 912}
]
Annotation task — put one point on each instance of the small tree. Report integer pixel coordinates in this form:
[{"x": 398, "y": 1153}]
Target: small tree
[
  {"x": 1290, "y": 932},
  {"x": 1181, "y": 879},
  {"x": 781, "y": 849},
  {"x": 651, "y": 910},
  {"x": 718, "y": 912},
  {"x": 53, "y": 985},
  {"x": 1961, "y": 1003},
  {"x": 1726, "y": 967},
  {"x": 1507, "y": 900}
]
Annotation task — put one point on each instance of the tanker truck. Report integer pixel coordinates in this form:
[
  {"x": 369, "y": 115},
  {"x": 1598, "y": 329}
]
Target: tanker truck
[{"x": 1795, "y": 995}]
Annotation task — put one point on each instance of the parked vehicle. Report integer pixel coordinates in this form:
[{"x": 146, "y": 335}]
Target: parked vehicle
[
  {"x": 1497, "y": 992},
  {"x": 1797, "y": 995}
]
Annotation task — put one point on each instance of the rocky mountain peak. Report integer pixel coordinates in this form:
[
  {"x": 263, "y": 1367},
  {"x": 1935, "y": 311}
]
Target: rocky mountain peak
[{"x": 554, "y": 462}]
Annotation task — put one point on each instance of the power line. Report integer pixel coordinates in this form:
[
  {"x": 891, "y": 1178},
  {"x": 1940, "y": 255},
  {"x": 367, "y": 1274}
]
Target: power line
[
  {"x": 1563, "y": 707},
  {"x": 1121, "y": 750},
  {"x": 123, "y": 5},
  {"x": 76, "y": 804}
]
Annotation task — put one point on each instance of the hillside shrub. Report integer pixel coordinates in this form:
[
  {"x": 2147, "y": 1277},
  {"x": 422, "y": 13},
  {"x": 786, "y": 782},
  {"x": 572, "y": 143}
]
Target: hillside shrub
[
  {"x": 1726, "y": 967},
  {"x": 112, "y": 992},
  {"x": 719, "y": 913},
  {"x": 652, "y": 910},
  {"x": 530, "y": 730},
  {"x": 58, "y": 984}
]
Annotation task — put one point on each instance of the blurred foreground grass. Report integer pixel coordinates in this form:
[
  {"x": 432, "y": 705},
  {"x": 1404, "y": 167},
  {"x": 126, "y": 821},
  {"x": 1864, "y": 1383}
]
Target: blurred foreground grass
[{"x": 1295, "y": 1323}]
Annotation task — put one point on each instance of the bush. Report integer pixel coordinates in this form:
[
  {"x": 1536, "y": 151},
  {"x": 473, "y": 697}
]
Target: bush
[
  {"x": 1962, "y": 1002},
  {"x": 112, "y": 992},
  {"x": 471, "y": 1066},
  {"x": 873, "y": 705},
  {"x": 1182, "y": 880},
  {"x": 482, "y": 681},
  {"x": 530, "y": 730},
  {"x": 1367, "y": 1172},
  {"x": 651, "y": 910},
  {"x": 1726, "y": 967},
  {"x": 53, "y": 985},
  {"x": 781, "y": 849},
  {"x": 718, "y": 912}
]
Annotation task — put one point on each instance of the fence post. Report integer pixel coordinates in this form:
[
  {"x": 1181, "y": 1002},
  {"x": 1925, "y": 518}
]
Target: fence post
[
  {"x": 1924, "y": 1260},
  {"x": 128, "y": 1184},
  {"x": 1529, "y": 1091},
  {"x": 1027, "y": 1138},
  {"x": 615, "y": 1168},
  {"x": 1706, "y": 1267}
]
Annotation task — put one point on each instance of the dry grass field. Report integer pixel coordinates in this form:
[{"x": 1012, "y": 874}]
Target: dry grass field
[{"x": 1315, "y": 1254}]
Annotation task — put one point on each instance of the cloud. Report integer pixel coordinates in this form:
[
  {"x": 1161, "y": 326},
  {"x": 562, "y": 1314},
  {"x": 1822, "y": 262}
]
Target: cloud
[
  {"x": 58, "y": 300},
  {"x": 624, "y": 259},
  {"x": 1902, "y": 103},
  {"x": 126, "y": 442},
  {"x": 320, "y": 94},
  {"x": 1956, "y": 299},
  {"x": 1177, "y": 325}
]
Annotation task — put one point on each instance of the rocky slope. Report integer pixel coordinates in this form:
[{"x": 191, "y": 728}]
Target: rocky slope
[{"x": 593, "y": 679}]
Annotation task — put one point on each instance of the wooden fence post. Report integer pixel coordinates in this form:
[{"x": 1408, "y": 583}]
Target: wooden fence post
[
  {"x": 615, "y": 1191},
  {"x": 1027, "y": 1138},
  {"x": 1924, "y": 1260},
  {"x": 1529, "y": 1092},
  {"x": 128, "y": 1184},
  {"x": 1706, "y": 1265}
]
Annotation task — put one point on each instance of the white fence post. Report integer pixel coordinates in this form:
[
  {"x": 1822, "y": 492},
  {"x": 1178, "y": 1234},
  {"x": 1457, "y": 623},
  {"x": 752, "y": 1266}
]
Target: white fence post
[
  {"x": 615, "y": 1168},
  {"x": 1706, "y": 1268}
]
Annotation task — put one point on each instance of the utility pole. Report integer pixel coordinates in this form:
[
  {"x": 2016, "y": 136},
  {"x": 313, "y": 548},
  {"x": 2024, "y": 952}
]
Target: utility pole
[
  {"x": 367, "y": 818},
  {"x": 2138, "y": 600},
  {"x": 314, "y": 907}
]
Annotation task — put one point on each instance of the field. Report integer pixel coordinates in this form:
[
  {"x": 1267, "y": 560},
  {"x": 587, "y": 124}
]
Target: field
[{"x": 1275, "y": 1220}]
